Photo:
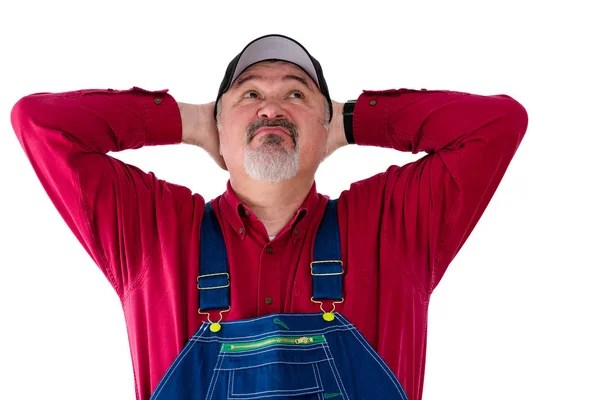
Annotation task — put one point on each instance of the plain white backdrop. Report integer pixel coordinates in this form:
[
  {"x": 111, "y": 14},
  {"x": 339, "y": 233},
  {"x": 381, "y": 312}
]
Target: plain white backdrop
[{"x": 516, "y": 315}]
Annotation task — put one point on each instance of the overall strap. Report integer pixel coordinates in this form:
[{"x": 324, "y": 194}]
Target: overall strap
[
  {"x": 327, "y": 267},
  {"x": 213, "y": 283}
]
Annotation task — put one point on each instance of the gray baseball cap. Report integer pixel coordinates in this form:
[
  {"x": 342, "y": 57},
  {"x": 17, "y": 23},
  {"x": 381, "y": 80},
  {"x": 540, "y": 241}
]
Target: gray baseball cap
[{"x": 275, "y": 47}]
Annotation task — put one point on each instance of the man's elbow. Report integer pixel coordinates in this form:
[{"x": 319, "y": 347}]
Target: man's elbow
[
  {"x": 516, "y": 115},
  {"x": 26, "y": 114}
]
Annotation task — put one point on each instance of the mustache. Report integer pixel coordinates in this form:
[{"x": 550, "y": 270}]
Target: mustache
[{"x": 283, "y": 123}]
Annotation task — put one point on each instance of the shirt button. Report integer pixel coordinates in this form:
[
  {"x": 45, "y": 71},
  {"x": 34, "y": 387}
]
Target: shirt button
[
  {"x": 296, "y": 231},
  {"x": 241, "y": 230},
  {"x": 372, "y": 102},
  {"x": 247, "y": 213},
  {"x": 269, "y": 250},
  {"x": 268, "y": 300},
  {"x": 157, "y": 101}
]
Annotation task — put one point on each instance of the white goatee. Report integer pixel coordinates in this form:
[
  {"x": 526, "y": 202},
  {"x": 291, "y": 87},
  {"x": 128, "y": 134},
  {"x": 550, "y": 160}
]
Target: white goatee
[{"x": 271, "y": 161}]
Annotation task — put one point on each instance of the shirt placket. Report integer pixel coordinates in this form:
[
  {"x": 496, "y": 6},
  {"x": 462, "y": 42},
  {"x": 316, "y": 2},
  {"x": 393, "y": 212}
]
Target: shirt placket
[{"x": 269, "y": 279}]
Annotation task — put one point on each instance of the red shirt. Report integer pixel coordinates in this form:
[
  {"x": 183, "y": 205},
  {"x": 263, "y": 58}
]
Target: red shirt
[{"x": 400, "y": 229}]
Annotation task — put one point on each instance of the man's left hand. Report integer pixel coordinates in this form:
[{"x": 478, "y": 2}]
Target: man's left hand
[{"x": 336, "y": 136}]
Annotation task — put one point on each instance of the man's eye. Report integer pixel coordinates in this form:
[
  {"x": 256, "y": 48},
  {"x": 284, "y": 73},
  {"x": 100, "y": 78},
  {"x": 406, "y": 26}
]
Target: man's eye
[
  {"x": 297, "y": 94},
  {"x": 251, "y": 95}
]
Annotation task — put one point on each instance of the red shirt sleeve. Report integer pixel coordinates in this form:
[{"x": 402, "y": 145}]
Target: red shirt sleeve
[
  {"x": 425, "y": 210},
  {"x": 109, "y": 205}
]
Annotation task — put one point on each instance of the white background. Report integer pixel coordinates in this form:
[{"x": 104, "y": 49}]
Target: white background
[{"x": 516, "y": 316}]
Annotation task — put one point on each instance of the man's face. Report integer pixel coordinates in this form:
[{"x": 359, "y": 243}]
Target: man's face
[{"x": 272, "y": 123}]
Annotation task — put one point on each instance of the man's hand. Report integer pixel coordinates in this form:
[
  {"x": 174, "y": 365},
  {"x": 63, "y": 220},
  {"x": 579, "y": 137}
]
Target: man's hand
[
  {"x": 336, "y": 137},
  {"x": 200, "y": 129}
]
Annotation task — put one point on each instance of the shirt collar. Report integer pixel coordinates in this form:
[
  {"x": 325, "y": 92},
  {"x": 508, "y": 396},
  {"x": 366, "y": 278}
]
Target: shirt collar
[{"x": 239, "y": 216}]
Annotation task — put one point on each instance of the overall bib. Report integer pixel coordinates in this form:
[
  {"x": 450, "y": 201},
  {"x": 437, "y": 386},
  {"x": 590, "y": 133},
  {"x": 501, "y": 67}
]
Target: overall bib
[{"x": 277, "y": 356}]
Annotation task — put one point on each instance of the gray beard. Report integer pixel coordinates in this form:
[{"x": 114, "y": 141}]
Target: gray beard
[{"x": 271, "y": 162}]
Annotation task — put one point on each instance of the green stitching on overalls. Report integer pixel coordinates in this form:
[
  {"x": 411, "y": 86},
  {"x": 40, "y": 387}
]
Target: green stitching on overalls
[
  {"x": 280, "y": 322},
  {"x": 330, "y": 395}
]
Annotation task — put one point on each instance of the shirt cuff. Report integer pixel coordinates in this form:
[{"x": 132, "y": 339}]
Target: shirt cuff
[
  {"x": 163, "y": 118},
  {"x": 370, "y": 118}
]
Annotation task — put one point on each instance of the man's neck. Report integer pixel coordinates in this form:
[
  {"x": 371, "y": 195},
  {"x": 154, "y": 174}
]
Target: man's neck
[{"x": 275, "y": 204}]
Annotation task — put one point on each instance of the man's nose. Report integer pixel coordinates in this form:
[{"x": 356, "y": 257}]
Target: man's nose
[{"x": 271, "y": 110}]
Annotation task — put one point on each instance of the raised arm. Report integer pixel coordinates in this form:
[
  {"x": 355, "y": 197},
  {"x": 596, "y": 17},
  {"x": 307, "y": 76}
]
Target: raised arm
[
  {"x": 429, "y": 207},
  {"x": 108, "y": 204}
]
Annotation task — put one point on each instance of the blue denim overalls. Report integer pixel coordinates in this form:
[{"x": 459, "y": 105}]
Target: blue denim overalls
[{"x": 277, "y": 356}]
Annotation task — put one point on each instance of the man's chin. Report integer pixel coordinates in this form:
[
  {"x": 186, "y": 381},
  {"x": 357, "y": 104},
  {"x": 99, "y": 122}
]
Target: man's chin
[{"x": 270, "y": 167}]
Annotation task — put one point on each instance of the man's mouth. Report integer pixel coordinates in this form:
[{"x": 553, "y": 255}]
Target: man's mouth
[{"x": 271, "y": 130}]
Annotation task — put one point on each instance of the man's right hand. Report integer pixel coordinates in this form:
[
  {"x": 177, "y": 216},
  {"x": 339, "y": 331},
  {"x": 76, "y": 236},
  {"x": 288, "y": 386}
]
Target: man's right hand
[{"x": 200, "y": 129}]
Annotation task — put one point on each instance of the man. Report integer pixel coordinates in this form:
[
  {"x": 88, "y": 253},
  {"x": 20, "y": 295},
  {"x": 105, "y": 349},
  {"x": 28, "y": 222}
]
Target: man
[{"x": 272, "y": 289}]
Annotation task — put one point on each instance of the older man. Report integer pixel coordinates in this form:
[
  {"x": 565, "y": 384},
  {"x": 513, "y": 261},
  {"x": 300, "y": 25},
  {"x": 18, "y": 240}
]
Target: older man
[{"x": 273, "y": 289}]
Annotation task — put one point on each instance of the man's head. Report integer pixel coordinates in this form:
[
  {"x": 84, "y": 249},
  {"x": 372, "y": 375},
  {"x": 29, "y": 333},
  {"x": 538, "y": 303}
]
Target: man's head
[{"x": 273, "y": 111}]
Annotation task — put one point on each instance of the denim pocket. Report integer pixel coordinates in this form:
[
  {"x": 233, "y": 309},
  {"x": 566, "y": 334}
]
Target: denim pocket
[
  {"x": 275, "y": 368},
  {"x": 274, "y": 380}
]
